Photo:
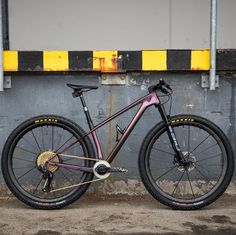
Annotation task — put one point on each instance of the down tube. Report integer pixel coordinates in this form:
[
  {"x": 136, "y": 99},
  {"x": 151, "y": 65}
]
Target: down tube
[{"x": 146, "y": 103}]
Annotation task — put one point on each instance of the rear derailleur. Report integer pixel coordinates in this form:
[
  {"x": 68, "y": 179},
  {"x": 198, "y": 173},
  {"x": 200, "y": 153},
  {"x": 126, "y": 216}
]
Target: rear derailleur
[{"x": 48, "y": 177}]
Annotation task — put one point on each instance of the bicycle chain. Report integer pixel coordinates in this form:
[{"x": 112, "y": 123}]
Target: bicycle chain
[{"x": 79, "y": 184}]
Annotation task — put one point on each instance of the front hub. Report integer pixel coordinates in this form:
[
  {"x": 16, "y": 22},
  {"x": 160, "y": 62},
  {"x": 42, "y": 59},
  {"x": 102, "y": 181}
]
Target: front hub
[{"x": 189, "y": 164}]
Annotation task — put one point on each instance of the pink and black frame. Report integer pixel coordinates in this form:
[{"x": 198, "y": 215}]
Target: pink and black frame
[{"x": 144, "y": 102}]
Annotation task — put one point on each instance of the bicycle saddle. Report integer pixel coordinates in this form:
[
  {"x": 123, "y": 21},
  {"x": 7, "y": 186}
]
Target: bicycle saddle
[{"x": 78, "y": 89}]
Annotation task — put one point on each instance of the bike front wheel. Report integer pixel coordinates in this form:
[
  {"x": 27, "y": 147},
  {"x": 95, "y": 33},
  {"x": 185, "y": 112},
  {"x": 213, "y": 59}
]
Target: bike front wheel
[
  {"x": 205, "y": 175},
  {"x": 31, "y": 145}
]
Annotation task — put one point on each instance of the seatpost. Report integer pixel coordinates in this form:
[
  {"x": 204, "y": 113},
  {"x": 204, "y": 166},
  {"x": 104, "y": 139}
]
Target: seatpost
[{"x": 86, "y": 111}]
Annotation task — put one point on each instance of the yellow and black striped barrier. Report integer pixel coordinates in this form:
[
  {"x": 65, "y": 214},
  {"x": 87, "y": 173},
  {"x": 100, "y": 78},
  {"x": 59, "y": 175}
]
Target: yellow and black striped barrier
[{"x": 116, "y": 61}]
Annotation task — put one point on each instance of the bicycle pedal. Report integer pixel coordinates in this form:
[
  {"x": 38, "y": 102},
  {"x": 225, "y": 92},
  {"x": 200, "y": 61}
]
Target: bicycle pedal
[{"x": 117, "y": 170}]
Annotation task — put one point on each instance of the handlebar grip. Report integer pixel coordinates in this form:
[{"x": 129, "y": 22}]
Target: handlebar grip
[
  {"x": 152, "y": 88},
  {"x": 163, "y": 90},
  {"x": 161, "y": 86},
  {"x": 168, "y": 87}
]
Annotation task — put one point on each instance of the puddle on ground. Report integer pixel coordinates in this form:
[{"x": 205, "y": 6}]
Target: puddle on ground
[{"x": 205, "y": 230}]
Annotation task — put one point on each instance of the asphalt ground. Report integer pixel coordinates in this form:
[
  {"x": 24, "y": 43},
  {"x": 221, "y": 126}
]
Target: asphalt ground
[{"x": 118, "y": 215}]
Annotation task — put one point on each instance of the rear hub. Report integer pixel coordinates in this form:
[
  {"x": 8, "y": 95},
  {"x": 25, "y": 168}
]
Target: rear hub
[{"x": 46, "y": 156}]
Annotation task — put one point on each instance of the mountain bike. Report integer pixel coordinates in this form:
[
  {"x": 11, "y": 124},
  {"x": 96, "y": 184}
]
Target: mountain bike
[{"x": 185, "y": 161}]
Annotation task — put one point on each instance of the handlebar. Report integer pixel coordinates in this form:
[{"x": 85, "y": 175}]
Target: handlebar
[{"x": 162, "y": 86}]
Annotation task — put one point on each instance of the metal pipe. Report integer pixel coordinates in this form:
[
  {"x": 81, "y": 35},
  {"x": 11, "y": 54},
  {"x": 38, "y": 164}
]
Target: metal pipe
[
  {"x": 213, "y": 44},
  {"x": 1, "y": 51},
  {"x": 5, "y": 24}
]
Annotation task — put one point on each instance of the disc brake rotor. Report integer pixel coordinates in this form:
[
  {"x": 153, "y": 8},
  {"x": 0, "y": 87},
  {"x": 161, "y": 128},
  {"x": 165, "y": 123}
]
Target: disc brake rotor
[{"x": 190, "y": 162}]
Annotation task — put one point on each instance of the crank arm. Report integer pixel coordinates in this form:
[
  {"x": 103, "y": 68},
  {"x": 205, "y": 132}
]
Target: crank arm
[{"x": 116, "y": 170}]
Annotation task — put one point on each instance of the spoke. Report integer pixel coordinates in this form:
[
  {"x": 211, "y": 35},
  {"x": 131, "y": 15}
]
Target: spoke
[
  {"x": 199, "y": 144},
  {"x": 214, "y": 156},
  {"x": 71, "y": 171},
  {"x": 64, "y": 143},
  {"x": 36, "y": 141},
  {"x": 166, "y": 172},
  {"x": 69, "y": 159},
  {"x": 29, "y": 143},
  {"x": 23, "y": 159},
  {"x": 43, "y": 137},
  {"x": 162, "y": 143},
  {"x": 206, "y": 149},
  {"x": 53, "y": 193},
  {"x": 211, "y": 165},
  {"x": 190, "y": 183},
  {"x": 17, "y": 168},
  {"x": 26, "y": 150},
  {"x": 65, "y": 176},
  {"x": 176, "y": 186},
  {"x": 202, "y": 167},
  {"x": 172, "y": 154},
  {"x": 60, "y": 138},
  {"x": 168, "y": 167},
  {"x": 203, "y": 176},
  {"x": 75, "y": 145},
  {"x": 38, "y": 184},
  {"x": 188, "y": 140},
  {"x": 52, "y": 137},
  {"x": 72, "y": 158},
  {"x": 26, "y": 173}
]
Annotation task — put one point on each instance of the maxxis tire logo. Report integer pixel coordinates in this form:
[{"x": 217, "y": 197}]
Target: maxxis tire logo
[
  {"x": 45, "y": 120},
  {"x": 182, "y": 120}
]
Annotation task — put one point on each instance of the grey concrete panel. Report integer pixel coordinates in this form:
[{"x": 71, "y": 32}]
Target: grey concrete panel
[
  {"x": 88, "y": 25},
  {"x": 190, "y": 24},
  {"x": 226, "y": 24},
  {"x": 123, "y": 25}
]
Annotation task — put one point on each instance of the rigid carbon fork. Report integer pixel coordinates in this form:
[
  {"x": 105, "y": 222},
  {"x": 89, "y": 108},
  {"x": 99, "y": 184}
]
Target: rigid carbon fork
[{"x": 171, "y": 134}]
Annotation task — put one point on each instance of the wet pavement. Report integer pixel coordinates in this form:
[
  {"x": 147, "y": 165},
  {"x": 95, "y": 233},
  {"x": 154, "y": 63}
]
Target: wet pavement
[{"x": 118, "y": 215}]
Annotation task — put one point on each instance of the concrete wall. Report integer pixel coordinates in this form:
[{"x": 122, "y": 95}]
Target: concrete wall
[
  {"x": 112, "y": 24},
  {"x": 35, "y": 95}
]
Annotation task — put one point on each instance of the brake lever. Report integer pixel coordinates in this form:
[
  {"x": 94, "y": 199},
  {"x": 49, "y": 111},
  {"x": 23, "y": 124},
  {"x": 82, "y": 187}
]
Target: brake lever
[
  {"x": 168, "y": 87},
  {"x": 163, "y": 90}
]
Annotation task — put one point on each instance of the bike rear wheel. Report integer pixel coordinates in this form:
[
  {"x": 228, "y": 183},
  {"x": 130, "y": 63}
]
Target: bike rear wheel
[
  {"x": 34, "y": 142},
  {"x": 207, "y": 172}
]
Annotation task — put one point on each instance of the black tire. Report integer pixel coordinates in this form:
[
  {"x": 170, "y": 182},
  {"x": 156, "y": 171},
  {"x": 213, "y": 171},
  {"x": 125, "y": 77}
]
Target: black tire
[
  {"x": 193, "y": 186},
  {"x": 22, "y": 150}
]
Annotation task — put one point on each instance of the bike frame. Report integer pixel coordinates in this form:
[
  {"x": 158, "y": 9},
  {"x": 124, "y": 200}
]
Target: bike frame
[{"x": 144, "y": 102}]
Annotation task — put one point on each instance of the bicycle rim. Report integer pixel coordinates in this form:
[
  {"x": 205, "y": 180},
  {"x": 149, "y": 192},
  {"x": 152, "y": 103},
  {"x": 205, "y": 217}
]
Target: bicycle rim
[
  {"x": 33, "y": 146},
  {"x": 205, "y": 171}
]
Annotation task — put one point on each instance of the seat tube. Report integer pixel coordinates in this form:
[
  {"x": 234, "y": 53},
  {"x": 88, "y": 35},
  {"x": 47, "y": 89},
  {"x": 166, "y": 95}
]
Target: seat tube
[
  {"x": 97, "y": 144},
  {"x": 91, "y": 126},
  {"x": 86, "y": 111}
]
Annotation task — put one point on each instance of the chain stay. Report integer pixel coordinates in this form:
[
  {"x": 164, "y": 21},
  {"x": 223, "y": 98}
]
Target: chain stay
[{"x": 76, "y": 185}]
